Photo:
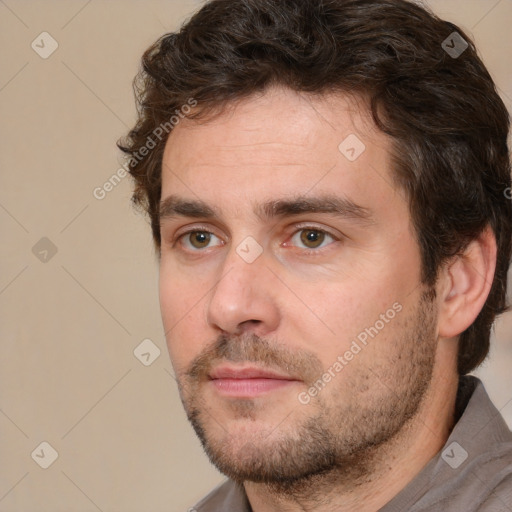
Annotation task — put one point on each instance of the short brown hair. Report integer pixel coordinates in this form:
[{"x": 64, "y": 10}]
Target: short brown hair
[{"x": 448, "y": 124}]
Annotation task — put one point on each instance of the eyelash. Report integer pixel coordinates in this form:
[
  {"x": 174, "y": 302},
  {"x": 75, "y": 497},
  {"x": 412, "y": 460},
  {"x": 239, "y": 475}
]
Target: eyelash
[
  {"x": 297, "y": 229},
  {"x": 316, "y": 251}
]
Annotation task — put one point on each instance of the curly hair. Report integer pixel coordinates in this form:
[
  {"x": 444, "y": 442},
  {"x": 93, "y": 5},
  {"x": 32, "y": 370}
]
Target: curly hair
[{"x": 447, "y": 123}]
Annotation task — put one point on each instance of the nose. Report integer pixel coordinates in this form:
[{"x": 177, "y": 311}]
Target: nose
[{"x": 244, "y": 297}]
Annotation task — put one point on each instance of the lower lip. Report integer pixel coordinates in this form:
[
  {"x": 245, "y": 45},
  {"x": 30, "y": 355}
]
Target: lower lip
[{"x": 246, "y": 388}]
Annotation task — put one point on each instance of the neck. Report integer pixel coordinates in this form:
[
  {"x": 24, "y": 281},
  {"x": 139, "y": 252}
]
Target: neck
[{"x": 393, "y": 465}]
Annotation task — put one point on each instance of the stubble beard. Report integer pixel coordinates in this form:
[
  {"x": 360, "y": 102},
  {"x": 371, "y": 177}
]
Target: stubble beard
[{"x": 337, "y": 443}]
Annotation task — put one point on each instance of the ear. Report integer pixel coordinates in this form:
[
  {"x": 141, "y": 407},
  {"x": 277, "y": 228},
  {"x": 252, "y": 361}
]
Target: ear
[{"x": 465, "y": 283}]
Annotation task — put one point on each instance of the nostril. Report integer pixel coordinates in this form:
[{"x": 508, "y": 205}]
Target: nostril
[{"x": 247, "y": 324}]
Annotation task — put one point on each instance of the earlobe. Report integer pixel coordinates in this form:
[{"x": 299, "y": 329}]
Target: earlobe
[{"x": 465, "y": 285}]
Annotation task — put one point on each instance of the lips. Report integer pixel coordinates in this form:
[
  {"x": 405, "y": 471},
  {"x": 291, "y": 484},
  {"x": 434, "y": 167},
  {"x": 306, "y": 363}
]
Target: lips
[
  {"x": 227, "y": 372},
  {"x": 248, "y": 382}
]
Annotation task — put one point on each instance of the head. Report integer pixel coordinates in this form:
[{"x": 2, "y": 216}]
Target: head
[{"x": 324, "y": 181}]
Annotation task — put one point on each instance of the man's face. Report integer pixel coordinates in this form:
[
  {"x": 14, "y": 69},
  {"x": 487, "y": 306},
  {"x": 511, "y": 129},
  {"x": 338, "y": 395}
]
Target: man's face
[{"x": 290, "y": 287}]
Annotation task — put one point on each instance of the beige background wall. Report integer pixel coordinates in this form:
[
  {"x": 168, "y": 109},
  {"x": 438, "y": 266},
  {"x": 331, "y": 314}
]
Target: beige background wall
[{"x": 70, "y": 321}]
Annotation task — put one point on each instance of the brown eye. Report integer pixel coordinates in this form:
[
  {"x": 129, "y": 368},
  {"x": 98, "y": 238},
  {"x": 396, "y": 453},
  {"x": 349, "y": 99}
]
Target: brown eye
[
  {"x": 199, "y": 239},
  {"x": 312, "y": 238}
]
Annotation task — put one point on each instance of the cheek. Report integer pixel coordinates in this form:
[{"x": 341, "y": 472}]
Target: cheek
[
  {"x": 334, "y": 316},
  {"x": 182, "y": 315},
  {"x": 340, "y": 309}
]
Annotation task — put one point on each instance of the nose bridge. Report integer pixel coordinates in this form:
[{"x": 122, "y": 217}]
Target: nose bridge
[{"x": 242, "y": 295}]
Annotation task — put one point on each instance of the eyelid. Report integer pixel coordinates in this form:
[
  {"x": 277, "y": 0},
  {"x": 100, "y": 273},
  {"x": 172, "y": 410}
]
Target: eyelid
[
  {"x": 177, "y": 238},
  {"x": 191, "y": 228},
  {"x": 296, "y": 228},
  {"x": 185, "y": 245},
  {"x": 308, "y": 225},
  {"x": 291, "y": 230}
]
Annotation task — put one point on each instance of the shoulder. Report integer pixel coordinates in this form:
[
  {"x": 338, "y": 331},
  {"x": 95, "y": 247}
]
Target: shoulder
[
  {"x": 499, "y": 499},
  {"x": 482, "y": 483},
  {"x": 489, "y": 480}
]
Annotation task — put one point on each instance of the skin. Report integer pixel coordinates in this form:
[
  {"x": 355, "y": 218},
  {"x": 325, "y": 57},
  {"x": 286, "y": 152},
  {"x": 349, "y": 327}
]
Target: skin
[{"x": 296, "y": 309}]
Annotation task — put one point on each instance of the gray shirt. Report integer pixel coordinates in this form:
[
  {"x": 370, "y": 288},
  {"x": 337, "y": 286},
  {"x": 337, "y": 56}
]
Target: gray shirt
[{"x": 473, "y": 471}]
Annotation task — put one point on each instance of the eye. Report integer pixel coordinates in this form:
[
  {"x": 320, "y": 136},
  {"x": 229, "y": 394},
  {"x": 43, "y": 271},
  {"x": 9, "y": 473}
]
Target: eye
[
  {"x": 197, "y": 240},
  {"x": 311, "y": 238}
]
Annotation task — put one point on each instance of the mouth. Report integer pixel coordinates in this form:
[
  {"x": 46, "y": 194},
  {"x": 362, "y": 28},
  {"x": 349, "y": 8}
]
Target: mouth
[{"x": 248, "y": 382}]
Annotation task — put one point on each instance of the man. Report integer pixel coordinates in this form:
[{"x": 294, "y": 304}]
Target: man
[{"x": 327, "y": 187}]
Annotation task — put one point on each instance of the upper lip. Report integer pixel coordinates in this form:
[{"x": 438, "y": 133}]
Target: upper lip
[{"x": 248, "y": 372}]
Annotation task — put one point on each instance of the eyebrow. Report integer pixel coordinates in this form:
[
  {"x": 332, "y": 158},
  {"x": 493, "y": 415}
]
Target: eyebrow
[{"x": 174, "y": 206}]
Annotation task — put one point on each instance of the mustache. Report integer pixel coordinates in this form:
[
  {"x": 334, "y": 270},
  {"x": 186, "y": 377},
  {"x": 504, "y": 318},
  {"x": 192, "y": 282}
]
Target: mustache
[{"x": 251, "y": 348}]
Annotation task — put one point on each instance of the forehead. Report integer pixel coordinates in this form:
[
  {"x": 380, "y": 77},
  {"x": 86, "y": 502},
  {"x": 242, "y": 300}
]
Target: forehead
[
  {"x": 277, "y": 144},
  {"x": 275, "y": 117}
]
